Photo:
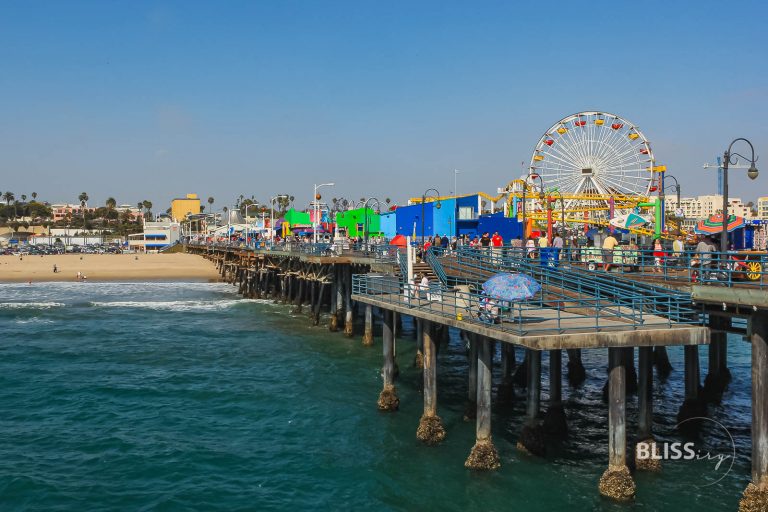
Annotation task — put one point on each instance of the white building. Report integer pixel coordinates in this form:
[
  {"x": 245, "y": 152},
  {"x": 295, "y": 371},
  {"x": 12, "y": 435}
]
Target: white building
[
  {"x": 156, "y": 236},
  {"x": 702, "y": 207},
  {"x": 762, "y": 208}
]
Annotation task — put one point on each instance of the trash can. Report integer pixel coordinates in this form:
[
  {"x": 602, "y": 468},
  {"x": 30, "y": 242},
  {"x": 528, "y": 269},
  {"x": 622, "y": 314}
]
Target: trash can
[{"x": 549, "y": 256}]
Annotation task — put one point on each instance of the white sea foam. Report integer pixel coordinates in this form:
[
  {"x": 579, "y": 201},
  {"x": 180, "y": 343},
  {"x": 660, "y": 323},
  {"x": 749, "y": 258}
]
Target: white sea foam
[
  {"x": 176, "y": 305},
  {"x": 31, "y": 305}
]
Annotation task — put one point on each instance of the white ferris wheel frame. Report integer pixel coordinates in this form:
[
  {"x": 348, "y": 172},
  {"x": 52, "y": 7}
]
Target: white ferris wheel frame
[{"x": 594, "y": 159}]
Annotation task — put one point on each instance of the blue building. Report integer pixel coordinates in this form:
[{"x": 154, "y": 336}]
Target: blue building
[{"x": 388, "y": 224}]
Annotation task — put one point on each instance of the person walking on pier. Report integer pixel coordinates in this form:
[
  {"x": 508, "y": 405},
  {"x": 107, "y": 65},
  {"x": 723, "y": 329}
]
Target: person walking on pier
[
  {"x": 658, "y": 255},
  {"x": 609, "y": 243}
]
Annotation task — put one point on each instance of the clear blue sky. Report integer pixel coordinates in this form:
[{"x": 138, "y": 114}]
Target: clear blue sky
[{"x": 151, "y": 100}]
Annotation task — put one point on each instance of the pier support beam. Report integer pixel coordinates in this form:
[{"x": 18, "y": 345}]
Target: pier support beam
[
  {"x": 555, "y": 423},
  {"x": 505, "y": 393},
  {"x": 483, "y": 455},
  {"x": 470, "y": 411},
  {"x": 333, "y": 322},
  {"x": 368, "y": 332},
  {"x": 693, "y": 406},
  {"x": 318, "y": 303},
  {"x": 755, "y": 497},
  {"x": 576, "y": 372},
  {"x": 349, "y": 318},
  {"x": 646, "y": 445},
  {"x": 661, "y": 362},
  {"x": 419, "y": 359},
  {"x": 431, "y": 430},
  {"x": 617, "y": 482},
  {"x": 388, "y": 400},
  {"x": 532, "y": 436},
  {"x": 716, "y": 380}
]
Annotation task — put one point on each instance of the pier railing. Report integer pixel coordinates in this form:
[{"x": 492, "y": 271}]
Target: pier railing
[{"x": 548, "y": 312}]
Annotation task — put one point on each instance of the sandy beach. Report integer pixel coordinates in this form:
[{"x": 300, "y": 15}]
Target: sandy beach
[{"x": 107, "y": 267}]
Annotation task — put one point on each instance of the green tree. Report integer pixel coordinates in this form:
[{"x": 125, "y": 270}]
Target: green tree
[
  {"x": 210, "y": 202},
  {"x": 34, "y": 196}
]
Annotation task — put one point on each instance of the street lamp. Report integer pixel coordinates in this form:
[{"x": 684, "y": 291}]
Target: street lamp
[
  {"x": 678, "y": 207},
  {"x": 272, "y": 215},
  {"x": 752, "y": 173},
  {"x": 365, "y": 224},
  {"x": 535, "y": 176},
  {"x": 423, "y": 200},
  {"x": 562, "y": 206},
  {"x": 317, "y": 210}
]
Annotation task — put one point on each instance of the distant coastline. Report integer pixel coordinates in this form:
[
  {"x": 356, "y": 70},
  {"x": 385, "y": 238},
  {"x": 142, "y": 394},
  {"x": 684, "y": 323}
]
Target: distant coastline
[{"x": 106, "y": 267}]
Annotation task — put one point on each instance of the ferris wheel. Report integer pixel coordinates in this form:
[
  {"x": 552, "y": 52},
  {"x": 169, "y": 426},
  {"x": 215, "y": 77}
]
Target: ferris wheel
[{"x": 595, "y": 160}]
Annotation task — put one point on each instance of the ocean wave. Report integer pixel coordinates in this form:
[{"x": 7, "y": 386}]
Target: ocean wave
[
  {"x": 31, "y": 305},
  {"x": 176, "y": 305}
]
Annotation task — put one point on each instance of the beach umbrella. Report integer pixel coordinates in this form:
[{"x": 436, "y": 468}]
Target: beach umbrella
[
  {"x": 511, "y": 287},
  {"x": 714, "y": 224},
  {"x": 399, "y": 241}
]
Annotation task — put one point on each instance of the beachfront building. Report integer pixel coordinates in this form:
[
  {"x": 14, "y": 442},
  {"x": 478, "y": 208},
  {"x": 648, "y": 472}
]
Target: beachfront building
[
  {"x": 762, "y": 208},
  {"x": 62, "y": 211},
  {"x": 181, "y": 207},
  {"x": 156, "y": 236},
  {"x": 295, "y": 220},
  {"x": 702, "y": 207},
  {"x": 359, "y": 221}
]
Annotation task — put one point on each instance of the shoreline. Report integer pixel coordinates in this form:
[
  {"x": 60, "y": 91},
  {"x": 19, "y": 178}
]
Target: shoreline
[{"x": 107, "y": 268}]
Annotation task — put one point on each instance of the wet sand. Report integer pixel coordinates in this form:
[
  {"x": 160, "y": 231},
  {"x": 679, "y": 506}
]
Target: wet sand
[{"x": 107, "y": 267}]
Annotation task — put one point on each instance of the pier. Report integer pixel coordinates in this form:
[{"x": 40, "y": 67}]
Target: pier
[{"x": 630, "y": 316}]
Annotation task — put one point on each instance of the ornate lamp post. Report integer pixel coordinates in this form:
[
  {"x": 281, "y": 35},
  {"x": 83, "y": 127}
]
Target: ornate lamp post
[
  {"x": 678, "y": 208},
  {"x": 751, "y": 172},
  {"x": 365, "y": 223},
  {"x": 316, "y": 199},
  {"x": 535, "y": 176},
  {"x": 423, "y": 200}
]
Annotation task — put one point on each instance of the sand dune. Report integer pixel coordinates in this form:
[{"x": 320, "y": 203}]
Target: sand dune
[{"x": 107, "y": 267}]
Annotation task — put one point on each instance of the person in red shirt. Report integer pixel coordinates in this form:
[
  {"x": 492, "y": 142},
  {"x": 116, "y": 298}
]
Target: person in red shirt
[{"x": 497, "y": 242}]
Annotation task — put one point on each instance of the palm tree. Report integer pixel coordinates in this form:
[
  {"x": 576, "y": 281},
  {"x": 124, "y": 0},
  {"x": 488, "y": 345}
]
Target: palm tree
[
  {"x": 210, "y": 202},
  {"x": 34, "y": 196},
  {"x": 24, "y": 197},
  {"x": 148, "y": 206},
  {"x": 8, "y": 197},
  {"x": 110, "y": 204},
  {"x": 83, "y": 198}
]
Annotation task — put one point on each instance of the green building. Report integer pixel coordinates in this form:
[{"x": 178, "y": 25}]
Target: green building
[
  {"x": 355, "y": 223},
  {"x": 295, "y": 218}
]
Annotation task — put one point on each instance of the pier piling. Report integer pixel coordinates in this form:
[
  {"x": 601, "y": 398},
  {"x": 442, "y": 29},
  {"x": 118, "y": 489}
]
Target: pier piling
[
  {"x": 431, "y": 430},
  {"x": 484, "y": 455},
  {"x": 645, "y": 413},
  {"x": 470, "y": 411},
  {"x": 617, "y": 483},
  {"x": 576, "y": 372},
  {"x": 368, "y": 331},
  {"x": 532, "y": 436},
  {"x": 693, "y": 407},
  {"x": 555, "y": 422},
  {"x": 755, "y": 497},
  {"x": 505, "y": 393},
  {"x": 388, "y": 400}
]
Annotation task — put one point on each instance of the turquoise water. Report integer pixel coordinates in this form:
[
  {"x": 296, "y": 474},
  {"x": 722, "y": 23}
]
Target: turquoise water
[{"x": 182, "y": 396}]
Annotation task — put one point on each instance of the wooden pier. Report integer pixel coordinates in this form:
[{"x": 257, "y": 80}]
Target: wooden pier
[{"x": 352, "y": 285}]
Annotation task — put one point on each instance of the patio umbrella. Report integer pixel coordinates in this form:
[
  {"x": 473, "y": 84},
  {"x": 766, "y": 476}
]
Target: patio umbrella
[
  {"x": 714, "y": 224},
  {"x": 511, "y": 287},
  {"x": 399, "y": 241}
]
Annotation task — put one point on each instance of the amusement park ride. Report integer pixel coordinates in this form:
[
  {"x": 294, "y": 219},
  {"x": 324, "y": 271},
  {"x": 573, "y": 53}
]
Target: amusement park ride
[{"x": 601, "y": 170}]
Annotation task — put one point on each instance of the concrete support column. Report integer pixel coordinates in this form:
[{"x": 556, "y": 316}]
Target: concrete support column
[
  {"x": 555, "y": 422},
  {"x": 661, "y": 362},
  {"x": 368, "y": 332},
  {"x": 431, "y": 430},
  {"x": 617, "y": 482},
  {"x": 646, "y": 445},
  {"x": 470, "y": 412},
  {"x": 318, "y": 303},
  {"x": 419, "y": 360},
  {"x": 693, "y": 406},
  {"x": 388, "y": 400},
  {"x": 755, "y": 497},
  {"x": 716, "y": 381},
  {"x": 349, "y": 320},
  {"x": 299, "y": 295},
  {"x": 576, "y": 372},
  {"x": 532, "y": 436},
  {"x": 505, "y": 393},
  {"x": 333, "y": 322},
  {"x": 483, "y": 455}
]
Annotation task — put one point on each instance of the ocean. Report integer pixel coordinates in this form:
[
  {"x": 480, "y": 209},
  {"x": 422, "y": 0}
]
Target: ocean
[{"x": 184, "y": 396}]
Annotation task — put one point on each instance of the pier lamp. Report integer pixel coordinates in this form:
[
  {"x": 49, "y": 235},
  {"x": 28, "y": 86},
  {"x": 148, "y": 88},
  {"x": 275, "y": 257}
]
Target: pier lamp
[
  {"x": 252, "y": 205},
  {"x": 678, "y": 208},
  {"x": 751, "y": 172},
  {"x": 424, "y": 200},
  {"x": 272, "y": 215},
  {"x": 365, "y": 223},
  {"x": 316, "y": 199}
]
